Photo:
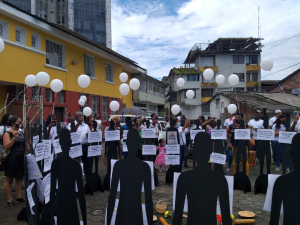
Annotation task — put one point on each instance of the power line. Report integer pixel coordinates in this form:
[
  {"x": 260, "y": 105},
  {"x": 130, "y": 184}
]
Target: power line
[{"x": 282, "y": 42}]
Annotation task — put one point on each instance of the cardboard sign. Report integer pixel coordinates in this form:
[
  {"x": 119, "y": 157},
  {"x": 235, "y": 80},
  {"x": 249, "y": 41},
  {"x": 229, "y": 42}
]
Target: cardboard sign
[
  {"x": 124, "y": 147},
  {"x": 75, "y": 137},
  {"x": 32, "y": 168},
  {"x": 219, "y": 134},
  {"x": 242, "y": 134},
  {"x": 149, "y": 150},
  {"x": 218, "y": 158},
  {"x": 265, "y": 134},
  {"x": 148, "y": 133},
  {"x": 173, "y": 159},
  {"x": 48, "y": 162},
  {"x": 39, "y": 151},
  {"x": 94, "y": 150},
  {"x": 172, "y": 149},
  {"x": 112, "y": 135},
  {"x": 286, "y": 137},
  {"x": 268, "y": 201},
  {"x": 75, "y": 151},
  {"x": 125, "y": 132},
  {"x": 95, "y": 137},
  {"x": 47, "y": 149},
  {"x": 229, "y": 179},
  {"x": 194, "y": 133},
  {"x": 113, "y": 161},
  {"x": 56, "y": 146}
]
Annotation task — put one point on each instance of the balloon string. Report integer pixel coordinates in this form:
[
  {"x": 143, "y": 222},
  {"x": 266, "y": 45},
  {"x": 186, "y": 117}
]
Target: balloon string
[
  {"x": 54, "y": 102},
  {"x": 13, "y": 99},
  {"x": 286, "y": 95},
  {"x": 237, "y": 100}
]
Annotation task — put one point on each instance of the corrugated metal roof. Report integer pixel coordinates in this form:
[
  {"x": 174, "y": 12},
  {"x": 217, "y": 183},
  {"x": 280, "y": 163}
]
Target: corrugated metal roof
[
  {"x": 181, "y": 71},
  {"x": 265, "y": 101}
]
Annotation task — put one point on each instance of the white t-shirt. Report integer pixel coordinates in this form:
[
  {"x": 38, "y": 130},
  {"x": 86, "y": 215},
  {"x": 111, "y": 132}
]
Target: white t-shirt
[
  {"x": 53, "y": 133},
  {"x": 256, "y": 124},
  {"x": 272, "y": 120},
  {"x": 99, "y": 122},
  {"x": 282, "y": 127},
  {"x": 297, "y": 127},
  {"x": 83, "y": 129},
  {"x": 182, "y": 135},
  {"x": 2, "y": 130},
  {"x": 228, "y": 122}
]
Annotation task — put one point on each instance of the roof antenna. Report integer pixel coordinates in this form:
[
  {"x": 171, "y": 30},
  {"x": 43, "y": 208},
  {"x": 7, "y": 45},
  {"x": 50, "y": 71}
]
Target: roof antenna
[{"x": 259, "y": 44}]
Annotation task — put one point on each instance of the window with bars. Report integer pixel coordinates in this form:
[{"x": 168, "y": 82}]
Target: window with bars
[
  {"x": 55, "y": 53},
  {"x": 105, "y": 108},
  {"x": 194, "y": 77},
  {"x": 241, "y": 76},
  {"x": 205, "y": 108},
  {"x": 207, "y": 92},
  {"x": 18, "y": 91},
  {"x": 109, "y": 72},
  {"x": 61, "y": 97},
  {"x": 20, "y": 36},
  {"x": 48, "y": 95},
  {"x": 3, "y": 29},
  {"x": 251, "y": 59},
  {"x": 238, "y": 59},
  {"x": 35, "y": 41},
  {"x": 35, "y": 93},
  {"x": 95, "y": 104},
  {"x": 252, "y": 77},
  {"x": 89, "y": 64}
]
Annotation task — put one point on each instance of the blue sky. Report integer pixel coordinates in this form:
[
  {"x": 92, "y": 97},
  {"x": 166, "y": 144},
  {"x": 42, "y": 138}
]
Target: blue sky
[{"x": 159, "y": 34}]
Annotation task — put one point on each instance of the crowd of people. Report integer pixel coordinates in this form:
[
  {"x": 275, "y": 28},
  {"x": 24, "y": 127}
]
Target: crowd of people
[{"x": 12, "y": 138}]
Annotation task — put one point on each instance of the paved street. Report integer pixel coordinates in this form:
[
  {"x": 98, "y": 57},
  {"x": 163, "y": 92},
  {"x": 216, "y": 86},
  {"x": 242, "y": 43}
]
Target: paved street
[{"x": 96, "y": 204}]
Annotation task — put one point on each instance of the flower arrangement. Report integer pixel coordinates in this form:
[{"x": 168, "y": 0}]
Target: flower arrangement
[
  {"x": 219, "y": 218},
  {"x": 168, "y": 214}
]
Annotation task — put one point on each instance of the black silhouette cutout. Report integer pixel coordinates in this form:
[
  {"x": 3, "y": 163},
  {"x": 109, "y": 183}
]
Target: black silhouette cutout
[
  {"x": 132, "y": 173},
  {"x": 261, "y": 183},
  {"x": 172, "y": 168},
  {"x": 197, "y": 128},
  {"x": 94, "y": 182},
  {"x": 286, "y": 157},
  {"x": 219, "y": 148},
  {"x": 67, "y": 172},
  {"x": 286, "y": 190},
  {"x": 241, "y": 180},
  {"x": 202, "y": 187}
]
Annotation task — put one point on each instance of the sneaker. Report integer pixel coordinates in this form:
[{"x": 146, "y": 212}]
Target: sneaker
[
  {"x": 13, "y": 189},
  {"x": 228, "y": 170},
  {"x": 277, "y": 169},
  {"x": 11, "y": 204},
  {"x": 287, "y": 170}
]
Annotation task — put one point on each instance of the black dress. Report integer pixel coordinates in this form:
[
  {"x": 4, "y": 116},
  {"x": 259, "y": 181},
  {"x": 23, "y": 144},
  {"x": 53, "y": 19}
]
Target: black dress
[{"x": 14, "y": 165}]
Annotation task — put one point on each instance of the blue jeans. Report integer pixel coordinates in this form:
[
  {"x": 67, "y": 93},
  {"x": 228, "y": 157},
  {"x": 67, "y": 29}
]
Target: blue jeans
[
  {"x": 229, "y": 156},
  {"x": 86, "y": 161},
  {"x": 279, "y": 150}
]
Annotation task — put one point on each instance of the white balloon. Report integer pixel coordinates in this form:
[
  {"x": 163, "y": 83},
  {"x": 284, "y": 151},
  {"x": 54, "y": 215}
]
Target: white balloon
[
  {"x": 123, "y": 77},
  {"x": 124, "y": 89},
  {"x": 83, "y": 97},
  {"x": 180, "y": 82},
  {"x": 81, "y": 102},
  {"x": 1, "y": 45},
  {"x": 30, "y": 80},
  {"x": 266, "y": 64},
  {"x": 134, "y": 84},
  {"x": 56, "y": 85},
  {"x": 114, "y": 106},
  {"x": 87, "y": 111},
  {"x": 232, "y": 108},
  {"x": 208, "y": 74},
  {"x": 190, "y": 94},
  {"x": 42, "y": 78},
  {"x": 84, "y": 81},
  {"x": 220, "y": 79},
  {"x": 233, "y": 80},
  {"x": 175, "y": 109}
]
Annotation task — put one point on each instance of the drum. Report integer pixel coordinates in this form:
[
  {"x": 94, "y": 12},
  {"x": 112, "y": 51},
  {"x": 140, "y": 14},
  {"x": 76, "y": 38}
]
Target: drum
[{"x": 252, "y": 158}]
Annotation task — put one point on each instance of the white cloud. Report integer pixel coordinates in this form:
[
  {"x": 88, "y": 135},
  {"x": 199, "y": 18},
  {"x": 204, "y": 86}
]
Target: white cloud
[{"x": 159, "y": 40}]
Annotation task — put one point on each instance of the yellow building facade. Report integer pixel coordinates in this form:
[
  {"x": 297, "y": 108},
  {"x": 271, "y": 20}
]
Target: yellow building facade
[{"x": 33, "y": 45}]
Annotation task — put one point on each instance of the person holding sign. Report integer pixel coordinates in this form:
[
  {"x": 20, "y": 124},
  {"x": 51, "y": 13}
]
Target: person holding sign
[
  {"x": 161, "y": 157},
  {"x": 279, "y": 126},
  {"x": 83, "y": 129},
  {"x": 255, "y": 124},
  {"x": 271, "y": 123},
  {"x": 14, "y": 141},
  {"x": 51, "y": 126},
  {"x": 183, "y": 131}
]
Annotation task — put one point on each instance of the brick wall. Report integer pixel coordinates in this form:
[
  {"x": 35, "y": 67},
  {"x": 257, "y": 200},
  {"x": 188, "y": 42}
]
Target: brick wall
[{"x": 290, "y": 83}]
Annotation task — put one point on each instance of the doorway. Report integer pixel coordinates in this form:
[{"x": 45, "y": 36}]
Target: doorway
[{"x": 59, "y": 112}]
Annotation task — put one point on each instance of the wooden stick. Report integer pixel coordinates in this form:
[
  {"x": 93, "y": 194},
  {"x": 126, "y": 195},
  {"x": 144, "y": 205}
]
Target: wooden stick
[
  {"x": 162, "y": 220},
  {"x": 244, "y": 221}
]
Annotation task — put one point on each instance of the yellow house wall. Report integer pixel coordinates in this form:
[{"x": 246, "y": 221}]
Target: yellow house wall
[{"x": 16, "y": 63}]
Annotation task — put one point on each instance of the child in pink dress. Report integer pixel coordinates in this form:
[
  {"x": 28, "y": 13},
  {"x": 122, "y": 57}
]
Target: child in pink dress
[{"x": 161, "y": 157}]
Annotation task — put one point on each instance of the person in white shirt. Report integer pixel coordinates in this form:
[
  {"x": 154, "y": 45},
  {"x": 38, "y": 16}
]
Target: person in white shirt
[
  {"x": 51, "y": 126},
  {"x": 97, "y": 118},
  {"x": 295, "y": 126},
  {"x": 279, "y": 126},
  {"x": 229, "y": 121},
  {"x": 83, "y": 129},
  {"x": 183, "y": 127},
  {"x": 255, "y": 124},
  {"x": 271, "y": 122}
]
